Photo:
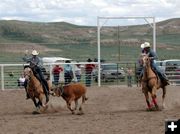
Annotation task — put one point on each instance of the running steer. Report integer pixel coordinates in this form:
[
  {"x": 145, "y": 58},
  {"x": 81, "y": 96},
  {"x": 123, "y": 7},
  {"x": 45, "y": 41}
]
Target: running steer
[{"x": 72, "y": 92}]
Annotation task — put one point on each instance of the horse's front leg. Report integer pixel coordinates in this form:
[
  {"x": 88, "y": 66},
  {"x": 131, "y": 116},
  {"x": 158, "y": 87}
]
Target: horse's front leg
[
  {"x": 154, "y": 98},
  {"x": 163, "y": 97},
  {"x": 147, "y": 100},
  {"x": 36, "y": 105}
]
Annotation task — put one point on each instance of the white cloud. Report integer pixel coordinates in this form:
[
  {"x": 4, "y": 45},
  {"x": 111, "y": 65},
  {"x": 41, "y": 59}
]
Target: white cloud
[{"x": 85, "y": 12}]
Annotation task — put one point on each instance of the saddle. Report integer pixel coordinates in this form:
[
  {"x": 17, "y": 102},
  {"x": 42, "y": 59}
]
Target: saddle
[{"x": 36, "y": 74}]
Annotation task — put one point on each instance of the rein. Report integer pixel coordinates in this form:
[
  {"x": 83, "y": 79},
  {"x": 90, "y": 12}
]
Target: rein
[
  {"x": 146, "y": 70},
  {"x": 30, "y": 79}
]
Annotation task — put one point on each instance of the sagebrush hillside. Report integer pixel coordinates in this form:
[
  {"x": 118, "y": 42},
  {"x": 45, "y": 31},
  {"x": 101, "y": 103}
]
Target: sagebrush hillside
[{"x": 80, "y": 42}]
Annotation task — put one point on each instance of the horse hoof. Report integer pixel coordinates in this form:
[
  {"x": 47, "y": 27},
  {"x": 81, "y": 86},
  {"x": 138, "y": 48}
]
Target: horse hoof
[
  {"x": 157, "y": 108},
  {"x": 44, "y": 105},
  {"x": 80, "y": 113},
  {"x": 153, "y": 109},
  {"x": 150, "y": 109},
  {"x": 35, "y": 112},
  {"x": 164, "y": 107}
]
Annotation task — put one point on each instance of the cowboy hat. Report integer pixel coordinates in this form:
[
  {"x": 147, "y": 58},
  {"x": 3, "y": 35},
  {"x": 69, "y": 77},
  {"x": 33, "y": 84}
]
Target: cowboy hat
[
  {"x": 34, "y": 52},
  {"x": 145, "y": 45}
]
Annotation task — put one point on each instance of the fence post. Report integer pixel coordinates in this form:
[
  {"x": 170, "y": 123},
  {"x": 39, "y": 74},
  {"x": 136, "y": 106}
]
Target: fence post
[{"x": 2, "y": 77}]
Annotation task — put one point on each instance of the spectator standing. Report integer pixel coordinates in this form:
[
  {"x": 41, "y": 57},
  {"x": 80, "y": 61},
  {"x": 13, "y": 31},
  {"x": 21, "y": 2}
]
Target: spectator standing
[
  {"x": 56, "y": 73},
  {"x": 21, "y": 80},
  {"x": 88, "y": 69},
  {"x": 78, "y": 72},
  {"x": 129, "y": 77},
  {"x": 68, "y": 73}
]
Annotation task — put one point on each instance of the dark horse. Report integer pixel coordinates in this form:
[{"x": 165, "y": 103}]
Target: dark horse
[
  {"x": 35, "y": 88},
  {"x": 151, "y": 83}
]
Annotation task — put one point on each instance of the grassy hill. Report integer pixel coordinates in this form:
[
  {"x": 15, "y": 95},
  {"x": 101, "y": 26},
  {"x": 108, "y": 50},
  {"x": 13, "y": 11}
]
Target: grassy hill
[{"x": 80, "y": 42}]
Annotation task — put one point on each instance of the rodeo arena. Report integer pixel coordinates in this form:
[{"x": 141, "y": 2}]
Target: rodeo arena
[{"x": 95, "y": 97}]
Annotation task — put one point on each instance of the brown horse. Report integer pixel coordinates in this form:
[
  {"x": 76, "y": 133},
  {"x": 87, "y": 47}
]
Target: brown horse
[
  {"x": 72, "y": 92},
  {"x": 35, "y": 88},
  {"x": 151, "y": 83}
]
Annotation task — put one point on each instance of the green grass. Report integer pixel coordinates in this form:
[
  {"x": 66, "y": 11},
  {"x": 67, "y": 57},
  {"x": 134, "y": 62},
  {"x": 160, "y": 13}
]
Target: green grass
[{"x": 170, "y": 39}]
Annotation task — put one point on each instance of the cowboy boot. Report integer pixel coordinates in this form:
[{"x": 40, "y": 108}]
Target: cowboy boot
[{"x": 46, "y": 92}]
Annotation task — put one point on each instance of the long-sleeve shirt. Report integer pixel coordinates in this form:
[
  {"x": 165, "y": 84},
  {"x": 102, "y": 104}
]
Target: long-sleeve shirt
[
  {"x": 152, "y": 55},
  {"x": 33, "y": 61},
  {"x": 67, "y": 68}
]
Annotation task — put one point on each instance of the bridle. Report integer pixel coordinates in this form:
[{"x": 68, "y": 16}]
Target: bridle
[
  {"x": 27, "y": 74},
  {"x": 146, "y": 62}
]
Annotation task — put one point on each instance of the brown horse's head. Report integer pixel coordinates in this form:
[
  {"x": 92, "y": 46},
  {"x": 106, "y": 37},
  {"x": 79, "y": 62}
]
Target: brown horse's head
[
  {"x": 145, "y": 60},
  {"x": 28, "y": 73}
]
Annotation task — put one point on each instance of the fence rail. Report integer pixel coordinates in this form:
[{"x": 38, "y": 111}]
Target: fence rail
[{"x": 10, "y": 74}]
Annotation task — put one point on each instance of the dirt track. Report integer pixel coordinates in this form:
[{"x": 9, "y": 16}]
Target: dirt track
[{"x": 109, "y": 110}]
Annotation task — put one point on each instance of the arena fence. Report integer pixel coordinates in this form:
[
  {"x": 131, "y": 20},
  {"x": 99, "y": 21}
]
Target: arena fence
[
  {"x": 10, "y": 74},
  {"x": 173, "y": 74}
]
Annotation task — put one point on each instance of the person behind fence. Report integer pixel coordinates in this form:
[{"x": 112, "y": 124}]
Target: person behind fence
[
  {"x": 21, "y": 80},
  {"x": 129, "y": 76},
  {"x": 146, "y": 49},
  {"x": 88, "y": 69},
  {"x": 68, "y": 72},
  {"x": 56, "y": 73},
  {"x": 78, "y": 72},
  {"x": 35, "y": 63}
]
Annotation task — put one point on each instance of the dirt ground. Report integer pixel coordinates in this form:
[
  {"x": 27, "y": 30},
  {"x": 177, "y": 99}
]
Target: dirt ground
[{"x": 109, "y": 110}]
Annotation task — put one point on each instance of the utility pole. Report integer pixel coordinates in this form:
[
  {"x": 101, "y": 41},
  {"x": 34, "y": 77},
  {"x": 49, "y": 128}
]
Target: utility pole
[{"x": 118, "y": 45}]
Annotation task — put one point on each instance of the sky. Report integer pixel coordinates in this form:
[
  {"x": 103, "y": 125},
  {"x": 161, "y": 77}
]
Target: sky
[{"x": 85, "y": 12}]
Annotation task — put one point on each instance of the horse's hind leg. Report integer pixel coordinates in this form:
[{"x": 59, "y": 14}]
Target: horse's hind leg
[
  {"x": 41, "y": 96},
  {"x": 163, "y": 97}
]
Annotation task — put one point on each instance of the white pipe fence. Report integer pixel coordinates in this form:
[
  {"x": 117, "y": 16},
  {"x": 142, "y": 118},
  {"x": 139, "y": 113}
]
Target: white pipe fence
[{"x": 10, "y": 74}]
